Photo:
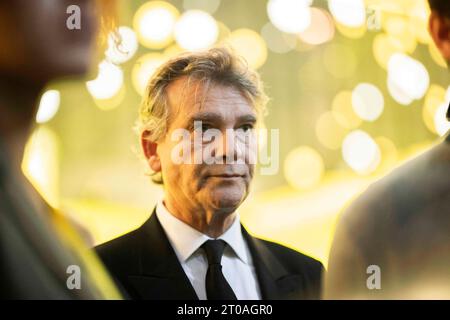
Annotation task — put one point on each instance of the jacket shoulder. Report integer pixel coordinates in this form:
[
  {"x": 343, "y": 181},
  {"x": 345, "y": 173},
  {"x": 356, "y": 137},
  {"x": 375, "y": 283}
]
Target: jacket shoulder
[
  {"x": 117, "y": 252},
  {"x": 292, "y": 269},
  {"x": 410, "y": 190},
  {"x": 293, "y": 260}
]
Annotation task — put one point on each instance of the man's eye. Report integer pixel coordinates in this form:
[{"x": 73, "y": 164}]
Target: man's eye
[
  {"x": 203, "y": 127},
  {"x": 246, "y": 127},
  {"x": 206, "y": 127}
]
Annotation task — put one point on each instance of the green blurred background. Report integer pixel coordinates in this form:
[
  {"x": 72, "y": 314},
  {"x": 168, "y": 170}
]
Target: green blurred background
[{"x": 356, "y": 88}]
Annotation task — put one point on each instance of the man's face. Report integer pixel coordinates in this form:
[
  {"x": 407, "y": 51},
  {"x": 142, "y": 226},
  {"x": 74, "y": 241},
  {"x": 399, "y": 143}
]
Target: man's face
[{"x": 220, "y": 181}]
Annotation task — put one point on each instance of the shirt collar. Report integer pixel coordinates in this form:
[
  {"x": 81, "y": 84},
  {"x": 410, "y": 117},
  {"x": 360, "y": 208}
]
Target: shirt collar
[{"x": 186, "y": 240}]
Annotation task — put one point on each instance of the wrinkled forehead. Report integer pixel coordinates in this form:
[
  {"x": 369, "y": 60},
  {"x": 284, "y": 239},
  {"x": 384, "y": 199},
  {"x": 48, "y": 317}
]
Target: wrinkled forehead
[{"x": 187, "y": 96}]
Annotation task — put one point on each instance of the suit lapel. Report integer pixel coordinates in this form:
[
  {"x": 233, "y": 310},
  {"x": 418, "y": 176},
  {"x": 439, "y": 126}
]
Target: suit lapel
[
  {"x": 161, "y": 275},
  {"x": 275, "y": 281}
]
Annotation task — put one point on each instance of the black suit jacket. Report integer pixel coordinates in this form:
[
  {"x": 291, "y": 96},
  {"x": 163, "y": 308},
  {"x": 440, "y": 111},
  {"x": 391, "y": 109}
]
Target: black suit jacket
[{"x": 146, "y": 267}]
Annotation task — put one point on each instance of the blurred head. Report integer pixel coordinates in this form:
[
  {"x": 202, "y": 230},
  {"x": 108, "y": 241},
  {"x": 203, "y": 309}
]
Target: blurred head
[
  {"x": 36, "y": 42},
  {"x": 200, "y": 95},
  {"x": 439, "y": 25}
]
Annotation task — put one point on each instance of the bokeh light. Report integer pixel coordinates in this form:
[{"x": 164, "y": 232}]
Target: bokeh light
[
  {"x": 143, "y": 70},
  {"x": 351, "y": 13},
  {"x": 351, "y": 32},
  {"x": 441, "y": 123},
  {"x": 408, "y": 79},
  {"x": 249, "y": 45},
  {"x": 154, "y": 22},
  {"x": 291, "y": 16},
  {"x": 367, "y": 101},
  {"x": 303, "y": 167},
  {"x": 343, "y": 111},
  {"x": 41, "y": 163},
  {"x": 321, "y": 28},
  {"x": 196, "y": 30},
  {"x": 418, "y": 20},
  {"x": 113, "y": 102},
  {"x": 399, "y": 32},
  {"x": 48, "y": 106},
  {"x": 398, "y": 94},
  {"x": 108, "y": 82},
  {"x": 126, "y": 48},
  {"x": 360, "y": 152},
  {"x": 383, "y": 48},
  {"x": 435, "y": 97}
]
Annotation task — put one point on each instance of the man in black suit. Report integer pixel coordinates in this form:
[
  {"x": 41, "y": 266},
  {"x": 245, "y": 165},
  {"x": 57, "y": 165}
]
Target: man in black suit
[
  {"x": 193, "y": 246},
  {"x": 394, "y": 241}
]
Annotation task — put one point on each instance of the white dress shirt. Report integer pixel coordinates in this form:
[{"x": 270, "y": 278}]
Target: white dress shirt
[{"x": 237, "y": 264}]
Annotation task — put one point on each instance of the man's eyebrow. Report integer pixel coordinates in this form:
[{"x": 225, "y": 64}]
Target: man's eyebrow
[
  {"x": 211, "y": 117},
  {"x": 247, "y": 118},
  {"x": 205, "y": 117}
]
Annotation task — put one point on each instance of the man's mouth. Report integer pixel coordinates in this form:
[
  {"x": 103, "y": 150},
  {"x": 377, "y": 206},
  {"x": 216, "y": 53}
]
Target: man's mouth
[{"x": 225, "y": 176}]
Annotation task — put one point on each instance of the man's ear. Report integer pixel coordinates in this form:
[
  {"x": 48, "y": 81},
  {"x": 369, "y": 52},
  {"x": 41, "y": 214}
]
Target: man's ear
[
  {"x": 439, "y": 27},
  {"x": 150, "y": 151}
]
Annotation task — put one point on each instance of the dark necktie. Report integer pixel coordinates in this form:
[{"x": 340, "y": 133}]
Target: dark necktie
[{"x": 217, "y": 287}]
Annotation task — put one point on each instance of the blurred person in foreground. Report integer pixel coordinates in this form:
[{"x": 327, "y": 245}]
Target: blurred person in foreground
[
  {"x": 39, "y": 248},
  {"x": 193, "y": 246},
  {"x": 394, "y": 241}
]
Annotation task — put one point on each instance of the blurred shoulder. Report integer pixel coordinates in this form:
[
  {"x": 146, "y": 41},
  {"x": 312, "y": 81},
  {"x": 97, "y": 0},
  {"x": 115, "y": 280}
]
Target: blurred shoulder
[
  {"x": 409, "y": 188},
  {"x": 291, "y": 259}
]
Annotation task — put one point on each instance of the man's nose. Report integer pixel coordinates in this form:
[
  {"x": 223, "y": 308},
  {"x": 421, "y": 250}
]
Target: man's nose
[{"x": 227, "y": 147}]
